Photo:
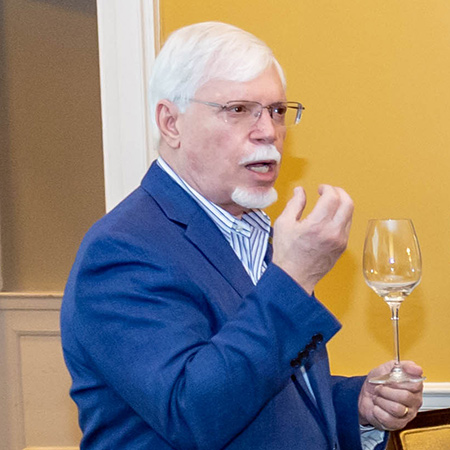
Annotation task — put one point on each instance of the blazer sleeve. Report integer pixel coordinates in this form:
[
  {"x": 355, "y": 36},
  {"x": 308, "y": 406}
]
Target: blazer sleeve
[{"x": 197, "y": 378}]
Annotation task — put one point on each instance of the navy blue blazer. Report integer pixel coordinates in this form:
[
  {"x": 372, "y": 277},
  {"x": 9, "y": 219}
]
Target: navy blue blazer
[{"x": 171, "y": 346}]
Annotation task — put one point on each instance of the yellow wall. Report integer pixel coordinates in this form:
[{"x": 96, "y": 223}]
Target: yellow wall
[{"x": 374, "y": 77}]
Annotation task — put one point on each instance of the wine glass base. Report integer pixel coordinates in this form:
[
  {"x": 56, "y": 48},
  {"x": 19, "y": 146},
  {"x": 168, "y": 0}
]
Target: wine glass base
[{"x": 396, "y": 377}]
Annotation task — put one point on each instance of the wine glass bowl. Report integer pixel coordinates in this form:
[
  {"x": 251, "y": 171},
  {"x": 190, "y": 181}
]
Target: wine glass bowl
[{"x": 392, "y": 267}]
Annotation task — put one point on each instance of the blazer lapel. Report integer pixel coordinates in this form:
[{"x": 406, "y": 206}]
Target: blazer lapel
[
  {"x": 205, "y": 235},
  {"x": 180, "y": 207}
]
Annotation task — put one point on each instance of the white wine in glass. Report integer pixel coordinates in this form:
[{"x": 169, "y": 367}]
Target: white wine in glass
[{"x": 392, "y": 267}]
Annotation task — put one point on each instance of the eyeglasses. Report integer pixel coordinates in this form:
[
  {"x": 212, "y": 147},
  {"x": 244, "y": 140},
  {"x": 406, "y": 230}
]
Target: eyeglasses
[{"x": 247, "y": 113}]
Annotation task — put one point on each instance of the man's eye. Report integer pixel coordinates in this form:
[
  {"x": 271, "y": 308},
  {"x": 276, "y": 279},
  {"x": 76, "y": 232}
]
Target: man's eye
[
  {"x": 237, "y": 109},
  {"x": 280, "y": 110}
]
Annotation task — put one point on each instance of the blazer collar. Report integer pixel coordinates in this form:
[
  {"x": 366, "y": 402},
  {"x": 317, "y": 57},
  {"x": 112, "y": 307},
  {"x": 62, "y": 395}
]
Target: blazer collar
[{"x": 181, "y": 208}]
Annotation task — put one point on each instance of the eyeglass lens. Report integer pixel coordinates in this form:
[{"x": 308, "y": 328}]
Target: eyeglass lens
[{"x": 283, "y": 114}]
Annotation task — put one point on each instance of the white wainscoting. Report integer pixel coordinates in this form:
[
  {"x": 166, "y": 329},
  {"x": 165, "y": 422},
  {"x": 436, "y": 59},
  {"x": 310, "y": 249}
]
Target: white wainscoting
[{"x": 36, "y": 411}]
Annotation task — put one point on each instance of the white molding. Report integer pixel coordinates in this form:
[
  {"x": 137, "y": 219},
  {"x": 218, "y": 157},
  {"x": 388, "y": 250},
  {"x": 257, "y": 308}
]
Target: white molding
[
  {"x": 436, "y": 396},
  {"x": 18, "y": 301},
  {"x": 128, "y": 38}
]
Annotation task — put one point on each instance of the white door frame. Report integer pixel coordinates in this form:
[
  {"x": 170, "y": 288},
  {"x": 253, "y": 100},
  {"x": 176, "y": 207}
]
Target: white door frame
[{"x": 128, "y": 41}]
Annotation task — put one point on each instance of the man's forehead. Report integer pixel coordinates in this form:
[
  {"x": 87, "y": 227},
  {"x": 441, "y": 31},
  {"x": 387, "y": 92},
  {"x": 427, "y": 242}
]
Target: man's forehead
[{"x": 267, "y": 83}]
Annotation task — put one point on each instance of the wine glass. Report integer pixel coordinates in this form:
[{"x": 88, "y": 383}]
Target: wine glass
[{"x": 392, "y": 267}]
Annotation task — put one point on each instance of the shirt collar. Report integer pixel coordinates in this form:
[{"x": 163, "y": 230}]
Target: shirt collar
[{"x": 223, "y": 219}]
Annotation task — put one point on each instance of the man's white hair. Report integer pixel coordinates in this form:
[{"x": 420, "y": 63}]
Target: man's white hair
[{"x": 201, "y": 52}]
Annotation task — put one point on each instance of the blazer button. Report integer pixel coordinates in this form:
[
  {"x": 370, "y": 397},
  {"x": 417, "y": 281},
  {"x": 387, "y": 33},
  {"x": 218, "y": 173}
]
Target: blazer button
[
  {"x": 310, "y": 346},
  {"x": 295, "y": 363},
  {"x": 317, "y": 338}
]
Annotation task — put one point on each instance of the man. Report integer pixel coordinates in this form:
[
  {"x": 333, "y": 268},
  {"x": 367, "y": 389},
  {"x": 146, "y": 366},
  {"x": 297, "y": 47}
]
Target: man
[{"x": 182, "y": 328}]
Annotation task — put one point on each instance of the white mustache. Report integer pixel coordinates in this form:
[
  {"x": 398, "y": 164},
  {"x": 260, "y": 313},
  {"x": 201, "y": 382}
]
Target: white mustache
[{"x": 262, "y": 153}]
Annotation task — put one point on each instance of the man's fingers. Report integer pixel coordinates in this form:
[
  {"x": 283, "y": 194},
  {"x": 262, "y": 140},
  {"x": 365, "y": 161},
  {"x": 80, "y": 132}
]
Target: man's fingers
[
  {"x": 327, "y": 205},
  {"x": 344, "y": 212},
  {"x": 412, "y": 368},
  {"x": 307, "y": 249},
  {"x": 296, "y": 205}
]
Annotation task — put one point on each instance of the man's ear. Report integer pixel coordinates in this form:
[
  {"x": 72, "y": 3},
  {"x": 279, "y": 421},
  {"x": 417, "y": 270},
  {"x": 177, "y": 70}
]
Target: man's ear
[{"x": 167, "y": 115}]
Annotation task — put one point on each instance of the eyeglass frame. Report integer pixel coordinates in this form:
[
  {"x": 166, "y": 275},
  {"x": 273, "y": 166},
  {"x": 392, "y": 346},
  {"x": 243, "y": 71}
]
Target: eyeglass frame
[{"x": 269, "y": 108}]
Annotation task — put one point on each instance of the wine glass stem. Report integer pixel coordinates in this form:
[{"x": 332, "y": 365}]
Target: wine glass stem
[{"x": 395, "y": 306}]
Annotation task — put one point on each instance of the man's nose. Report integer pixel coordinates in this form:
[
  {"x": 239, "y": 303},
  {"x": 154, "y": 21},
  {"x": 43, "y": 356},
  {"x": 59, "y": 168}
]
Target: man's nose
[{"x": 264, "y": 128}]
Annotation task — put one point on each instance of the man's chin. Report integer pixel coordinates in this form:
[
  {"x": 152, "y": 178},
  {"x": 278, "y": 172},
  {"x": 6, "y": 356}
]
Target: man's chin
[{"x": 254, "y": 199}]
